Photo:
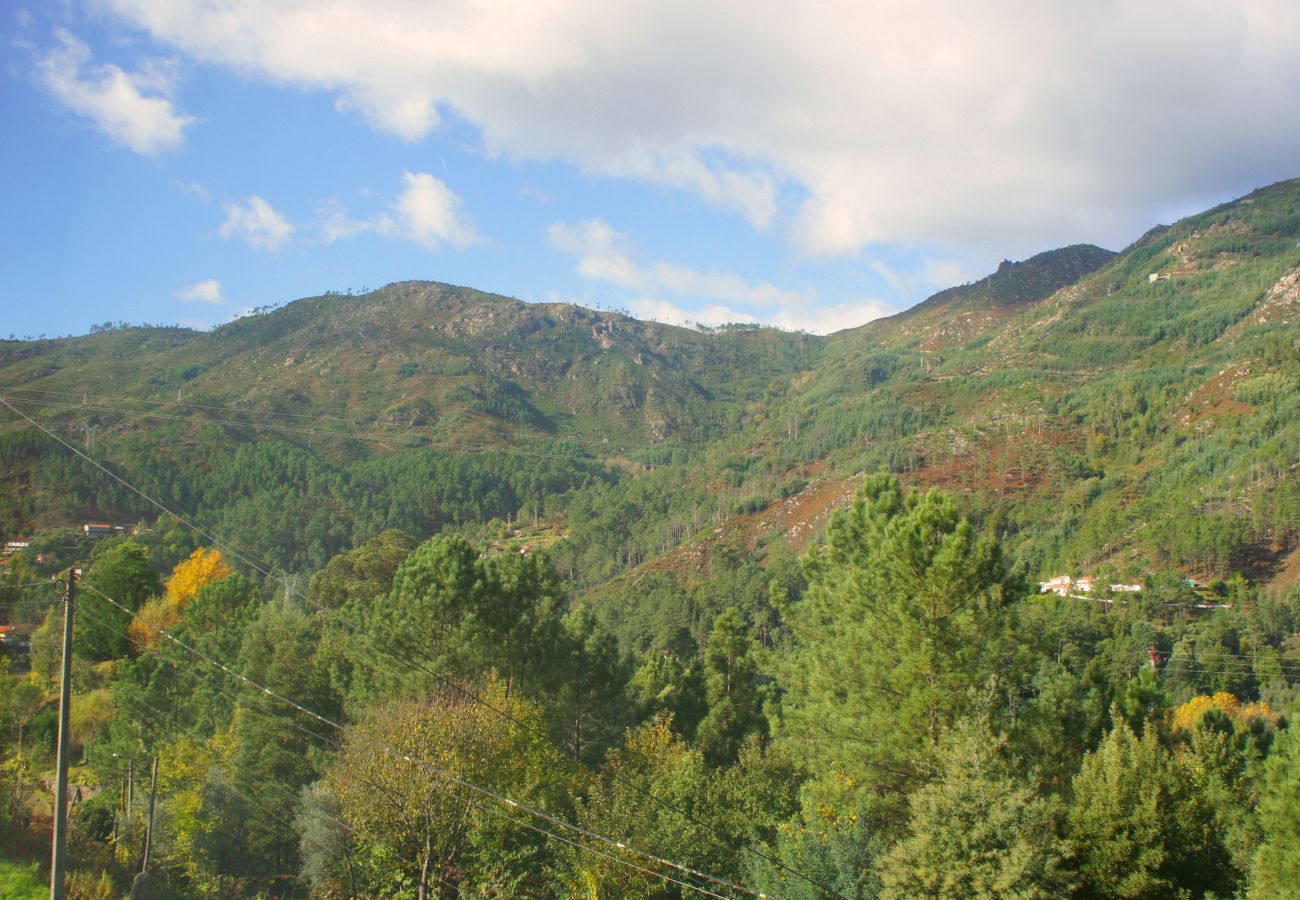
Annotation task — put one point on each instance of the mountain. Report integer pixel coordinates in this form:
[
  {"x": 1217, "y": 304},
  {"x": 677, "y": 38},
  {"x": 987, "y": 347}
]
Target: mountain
[
  {"x": 454, "y": 360},
  {"x": 1136, "y": 410}
]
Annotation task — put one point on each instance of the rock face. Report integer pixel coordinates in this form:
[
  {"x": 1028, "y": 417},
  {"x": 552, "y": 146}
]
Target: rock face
[{"x": 1282, "y": 302}]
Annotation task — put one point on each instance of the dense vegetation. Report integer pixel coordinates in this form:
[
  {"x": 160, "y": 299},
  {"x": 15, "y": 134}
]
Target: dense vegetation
[{"x": 428, "y": 593}]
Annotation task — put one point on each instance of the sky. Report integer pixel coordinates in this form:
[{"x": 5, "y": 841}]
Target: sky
[{"x": 810, "y": 165}]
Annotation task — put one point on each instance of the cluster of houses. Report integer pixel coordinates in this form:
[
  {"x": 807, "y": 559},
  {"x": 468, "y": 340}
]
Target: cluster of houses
[{"x": 1065, "y": 586}]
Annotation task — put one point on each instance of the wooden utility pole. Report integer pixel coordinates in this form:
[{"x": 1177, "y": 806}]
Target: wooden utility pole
[
  {"x": 58, "y": 855},
  {"x": 138, "y": 887},
  {"x": 148, "y": 830}
]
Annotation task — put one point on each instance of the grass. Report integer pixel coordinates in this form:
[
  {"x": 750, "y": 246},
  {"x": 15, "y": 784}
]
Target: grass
[{"x": 19, "y": 881}]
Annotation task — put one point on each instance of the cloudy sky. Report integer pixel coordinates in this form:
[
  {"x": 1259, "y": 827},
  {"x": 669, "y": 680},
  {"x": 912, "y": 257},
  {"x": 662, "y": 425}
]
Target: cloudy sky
[{"x": 811, "y": 165}]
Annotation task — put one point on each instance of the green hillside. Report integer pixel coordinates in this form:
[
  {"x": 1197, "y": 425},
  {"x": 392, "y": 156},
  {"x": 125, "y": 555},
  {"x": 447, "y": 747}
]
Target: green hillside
[
  {"x": 429, "y": 592},
  {"x": 1070, "y": 397}
]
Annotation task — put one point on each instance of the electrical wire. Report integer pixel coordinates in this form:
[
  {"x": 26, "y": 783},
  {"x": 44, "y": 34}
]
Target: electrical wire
[
  {"x": 461, "y": 782},
  {"x": 321, "y": 417},
  {"x": 334, "y": 614},
  {"x": 408, "y": 443}
]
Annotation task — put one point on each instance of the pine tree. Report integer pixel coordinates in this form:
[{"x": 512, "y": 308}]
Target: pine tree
[
  {"x": 905, "y": 613},
  {"x": 732, "y": 689},
  {"x": 1276, "y": 869},
  {"x": 977, "y": 831},
  {"x": 1140, "y": 826}
]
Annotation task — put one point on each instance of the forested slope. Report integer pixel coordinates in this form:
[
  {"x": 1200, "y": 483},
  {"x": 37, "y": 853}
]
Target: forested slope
[{"x": 427, "y": 592}]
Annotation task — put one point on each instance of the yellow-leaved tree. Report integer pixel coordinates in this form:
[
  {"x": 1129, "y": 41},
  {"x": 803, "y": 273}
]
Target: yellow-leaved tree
[
  {"x": 204, "y": 567},
  {"x": 189, "y": 577},
  {"x": 1189, "y": 715}
]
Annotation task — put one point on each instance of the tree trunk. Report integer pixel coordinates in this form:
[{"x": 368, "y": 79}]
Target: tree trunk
[{"x": 422, "y": 892}]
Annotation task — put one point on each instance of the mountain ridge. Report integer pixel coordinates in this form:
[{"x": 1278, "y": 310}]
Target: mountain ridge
[{"x": 1068, "y": 413}]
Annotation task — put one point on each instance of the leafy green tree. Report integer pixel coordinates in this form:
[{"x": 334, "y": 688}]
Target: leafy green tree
[
  {"x": 362, "y": 575},
  {"x": 829, "y": 852},
  {"x": 324, "y": 842},
  {"x": 699, "y": 815},
  {"x": 414, "y": 827},
  {"x": 1275, "y": 871},
  {"x": 461, "y": 616},
  {"x": 905, "y": 613},
  {"x": 663, "y": 683},
  {"x": 586, "y": 700},
  {"x": 732, "y": 690},
  {"x": 977, "y": 831},
  {"x": 273, "y": 742},
  {"x": 124, "y": 572},
  {"x": 1141, "y": 828}
]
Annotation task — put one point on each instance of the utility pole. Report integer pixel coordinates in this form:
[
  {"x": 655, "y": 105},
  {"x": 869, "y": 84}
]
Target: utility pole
[
  {"x": 143, "y": 878},
  {"x": 58, "y": 855},
  {"x": 148, "y": 829}
]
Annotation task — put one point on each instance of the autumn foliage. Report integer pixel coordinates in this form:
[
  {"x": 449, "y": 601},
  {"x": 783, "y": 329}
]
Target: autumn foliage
[
  {"x": 204, "y": 567},
  {"x": 1189, "y": 715}
]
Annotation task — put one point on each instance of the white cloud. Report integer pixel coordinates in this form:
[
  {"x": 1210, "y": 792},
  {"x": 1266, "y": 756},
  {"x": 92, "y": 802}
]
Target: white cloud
[
  {"x": 944, "y": 273},
  {"x": 134, "y": 109},
  {"x": 430, "y": 214},
  {"x": 426, "y": 212},
  {"x": 206, "y": 291},
  {"x": 256, "y": 223},
  {"x": 818, "y": 320},
  {"x": 605, "y": 254},
  {"x": 825, "y": 319},
  {"x": 672, "y": 314},
  {"x": 933, "y": 273},
  {"x": 193, "y": 189},
  {"x": 536, "y": 194},
  {"x": 999, "y": 124}
]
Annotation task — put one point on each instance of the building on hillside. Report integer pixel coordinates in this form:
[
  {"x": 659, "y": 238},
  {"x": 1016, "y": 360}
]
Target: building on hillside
[
  {"x": 15, "y": 546},
  {"x": 1126, "y": 588},
  {"x": 8, "y": 634},
  {"x": 98, "y": 529},
  {"x": 1059, "y": 585},
  {"x": 1084, "y": 585}
]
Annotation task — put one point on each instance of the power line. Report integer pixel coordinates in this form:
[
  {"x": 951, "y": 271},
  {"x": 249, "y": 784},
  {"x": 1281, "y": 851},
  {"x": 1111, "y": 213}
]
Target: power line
[
  {"x": 438, "y": 770},
  {"x": 86, "y": 397},
  {"x": 459, "y": 799},
  {"x": 412, "y": 663},
  {"x": 163, "y": 717},
  {"x": 408, "y": 443}
]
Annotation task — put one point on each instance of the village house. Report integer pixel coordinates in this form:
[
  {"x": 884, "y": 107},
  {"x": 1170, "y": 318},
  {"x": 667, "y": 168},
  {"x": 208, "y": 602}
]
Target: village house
[{"x": 1059, "y": 585}]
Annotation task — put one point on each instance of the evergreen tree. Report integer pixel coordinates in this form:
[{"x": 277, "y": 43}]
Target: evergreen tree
[
  {"x": 1140, "y": 827},
  {"x": 905, "y": 612},
  {"x": 977, "y": 831},
  {"x": 279, "y": 651},
  {"x": 732, "y": 690},
  {"x": 586, "y": 698},
  {"x": 123, "y": 572},
  {"x": 1275, "y": 872}
]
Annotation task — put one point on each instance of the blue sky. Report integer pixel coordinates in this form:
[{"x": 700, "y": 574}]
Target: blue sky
[{"x": 807, "y": 165}]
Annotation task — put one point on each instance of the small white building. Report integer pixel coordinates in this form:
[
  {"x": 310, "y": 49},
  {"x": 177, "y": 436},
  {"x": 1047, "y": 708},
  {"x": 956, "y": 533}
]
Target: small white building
[{"x": 1059, "y": 585}]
